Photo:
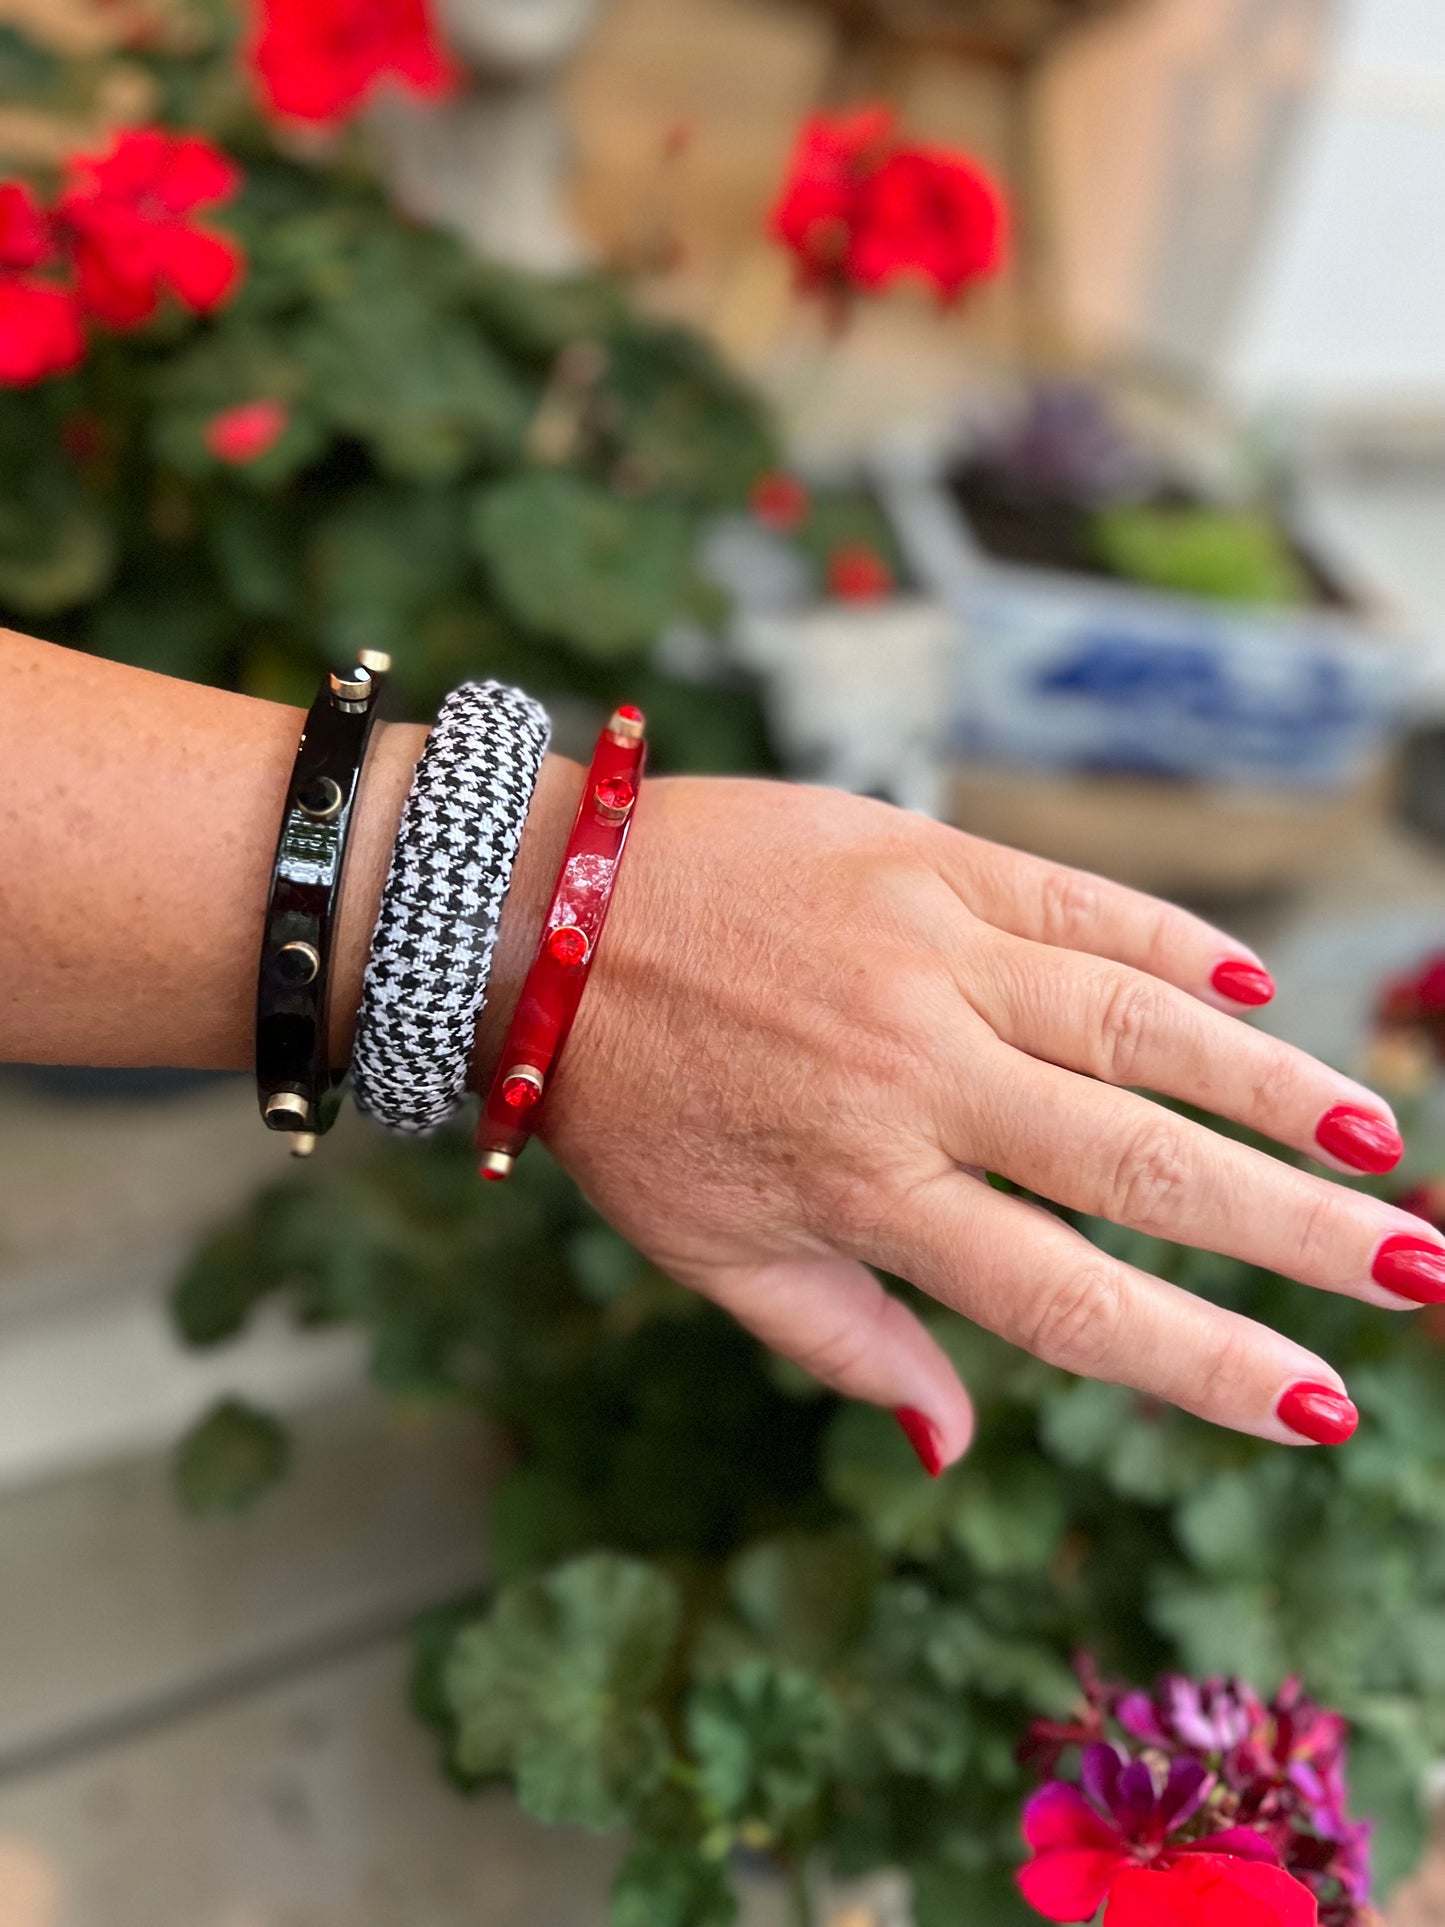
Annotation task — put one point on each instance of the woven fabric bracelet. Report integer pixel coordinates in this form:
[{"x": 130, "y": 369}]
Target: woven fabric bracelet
[{"x": 426, "y": 978}]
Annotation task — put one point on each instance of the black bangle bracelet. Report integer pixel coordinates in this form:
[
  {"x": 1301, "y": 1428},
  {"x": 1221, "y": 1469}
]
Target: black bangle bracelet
[{"x": 298, "y": 1089}]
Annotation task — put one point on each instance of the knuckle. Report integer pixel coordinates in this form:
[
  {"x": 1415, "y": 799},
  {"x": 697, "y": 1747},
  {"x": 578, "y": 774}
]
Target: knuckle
[
  {"x": 1161, "y": 927},
  {"x": 1278, "y": 1085},
  {"x": 1222, "y": 1369},
  {"x": 854, "y": 1204},
  {"x": 1079, "y": 1323},
  {"x": 1322, "y": 1229},
  {"x": 843, "y": 1353},
  {"x": 1069, "y": 903},
  {"x": 1150, "y": 1176},
  {"x": 1132, "y": 1016}
]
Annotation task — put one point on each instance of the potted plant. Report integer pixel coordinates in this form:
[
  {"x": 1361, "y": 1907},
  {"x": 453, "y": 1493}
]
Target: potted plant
[{"x": 1143, "y": 678}]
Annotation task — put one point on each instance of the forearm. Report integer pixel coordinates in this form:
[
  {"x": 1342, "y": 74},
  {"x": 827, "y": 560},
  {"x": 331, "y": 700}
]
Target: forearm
[{"x": 138, "y": 820}]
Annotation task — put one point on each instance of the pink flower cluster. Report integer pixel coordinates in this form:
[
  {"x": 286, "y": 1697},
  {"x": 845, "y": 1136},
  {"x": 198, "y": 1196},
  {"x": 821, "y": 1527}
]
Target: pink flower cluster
[{"x": 1197, "y": 1805}]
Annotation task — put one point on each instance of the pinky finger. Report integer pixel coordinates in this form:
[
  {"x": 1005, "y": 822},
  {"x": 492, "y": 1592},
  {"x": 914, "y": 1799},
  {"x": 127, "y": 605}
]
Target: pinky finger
[{"x": 832, "y": 1316}]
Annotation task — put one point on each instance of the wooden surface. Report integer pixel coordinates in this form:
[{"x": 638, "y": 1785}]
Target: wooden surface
[{"x": 1171, "y": 838}]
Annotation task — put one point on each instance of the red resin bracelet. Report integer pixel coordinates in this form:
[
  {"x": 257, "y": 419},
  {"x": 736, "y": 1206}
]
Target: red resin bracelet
[{"x": 553, "y": 986}]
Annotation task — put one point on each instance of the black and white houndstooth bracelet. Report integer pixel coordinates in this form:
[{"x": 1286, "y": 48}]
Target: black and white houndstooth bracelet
[{"x": 426, "y": 978}]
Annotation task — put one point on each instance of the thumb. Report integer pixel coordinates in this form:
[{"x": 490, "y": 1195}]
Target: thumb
[{"x": 832, "y": 1316}]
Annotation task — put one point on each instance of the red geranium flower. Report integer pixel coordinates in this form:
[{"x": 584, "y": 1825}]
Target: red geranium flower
[
  {"x": 1210, "y": 1890},
  {"x": 859, "y": 209},
  {"x": 1132, "y": 1817},
  {"x": 319, "y": 60},
  {"x": 779, "y": 501},
  {"x": 815, "y": 213},
  {"x": 245, "y": 433},
  {"x": 40, "y": 330},
  {"x": 930, "y": 213},
  {"x": 127, "y": 212},
  {"x": 857, "y": 573}
]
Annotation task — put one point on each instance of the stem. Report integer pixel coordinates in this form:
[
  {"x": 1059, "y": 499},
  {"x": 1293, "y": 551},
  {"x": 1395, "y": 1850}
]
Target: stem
[{"x": 800, "y": 1903}]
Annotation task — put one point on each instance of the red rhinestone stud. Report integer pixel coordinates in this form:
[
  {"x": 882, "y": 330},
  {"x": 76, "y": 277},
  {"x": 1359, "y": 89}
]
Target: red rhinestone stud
[
  {"x": 568, "y": 945},
  {"x": 614, "y": 797},
  {"x": 626, "y": 724},
  {"x": 521, "y": 1087},
  {"x": 496, "y": 1166}
]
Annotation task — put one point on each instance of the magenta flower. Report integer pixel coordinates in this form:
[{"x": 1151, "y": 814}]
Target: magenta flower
[
  {"x": 1273, "y": 1770},
  {"x": 1130, "y": 1813}
]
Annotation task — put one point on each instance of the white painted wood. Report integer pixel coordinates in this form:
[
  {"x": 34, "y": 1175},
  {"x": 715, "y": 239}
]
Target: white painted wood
[
  {"x": 114, "y": 1606},
  {"x": 100, "y": 1203},
  {"x": 314, "y": 1803}
]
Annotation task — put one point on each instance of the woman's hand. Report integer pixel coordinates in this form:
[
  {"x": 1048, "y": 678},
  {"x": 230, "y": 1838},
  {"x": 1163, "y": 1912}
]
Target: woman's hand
[{"x": 816, "y": 1021}]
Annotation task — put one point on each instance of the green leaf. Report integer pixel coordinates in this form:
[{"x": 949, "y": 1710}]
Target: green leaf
[
  {"x": 555, "y": 1686},
  {"x": 535, "y": 1517},
  {"x": 686, "y": 425},
  {"x": 424, "y": 389},
  {"x": 665, "y": 1886},
  {"x": 806, "y": 1595},
  {"x": 579, "y": 565},
  {"x": 1389, "y": 1761},
  {"x": 1234, "y": 1523},
  {"x": 1229, "y": 555},
  {"x": 1008, "y": 1518},
  {"x": 947, "y": 1896},
  {"x": 1222, "y": 1629},
  {"x": 923, "y": 1734},
  {"x": 57, "y": 547},
  {"x": 27, "y": 70},
  {"x": 763, "y": 1738},
  {"x": 537, "y": 316},
  {"x": 605, "y": 1266},
  {"x": 1143, "y": 1454},
  {"x": 164, "y": 614},
  {"x": 221, "y": 1285},
  {"x": 432, "y": 1639},
  {"x": 254, "y": 540},
  {"x": 380, "y": 559},
  {"x": 230, "y": 1459}
]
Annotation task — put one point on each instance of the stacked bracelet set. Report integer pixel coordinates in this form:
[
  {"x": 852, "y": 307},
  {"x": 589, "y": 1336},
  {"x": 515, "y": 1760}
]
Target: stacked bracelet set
[{"x": 426, "y": 977}]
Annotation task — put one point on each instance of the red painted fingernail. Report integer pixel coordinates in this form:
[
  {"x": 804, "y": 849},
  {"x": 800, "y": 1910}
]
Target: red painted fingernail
[
  {"x": 1244, "y": 983},
  {"x": 1318, "y": 1412},
  {"x": 922, "y": 1435},
  {"x": 1413, "y": 1267},
  {"x": 1360, "y": 1138}
]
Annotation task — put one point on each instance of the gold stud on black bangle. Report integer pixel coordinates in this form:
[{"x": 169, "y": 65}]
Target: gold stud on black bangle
[
  {"x": 321, "y": 798},
  {"x": 297, "y": 963}
]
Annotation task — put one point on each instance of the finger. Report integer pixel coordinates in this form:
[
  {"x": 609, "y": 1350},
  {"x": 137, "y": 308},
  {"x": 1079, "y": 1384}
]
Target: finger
[
  {"x": 832, "y": 1316},
  {"x": 1126, "y": 1027},
  {"x": 1120, "y": 1156},
  {"x": 1075, "y": 910},
  {"x": 1039, "y": 1284}
]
